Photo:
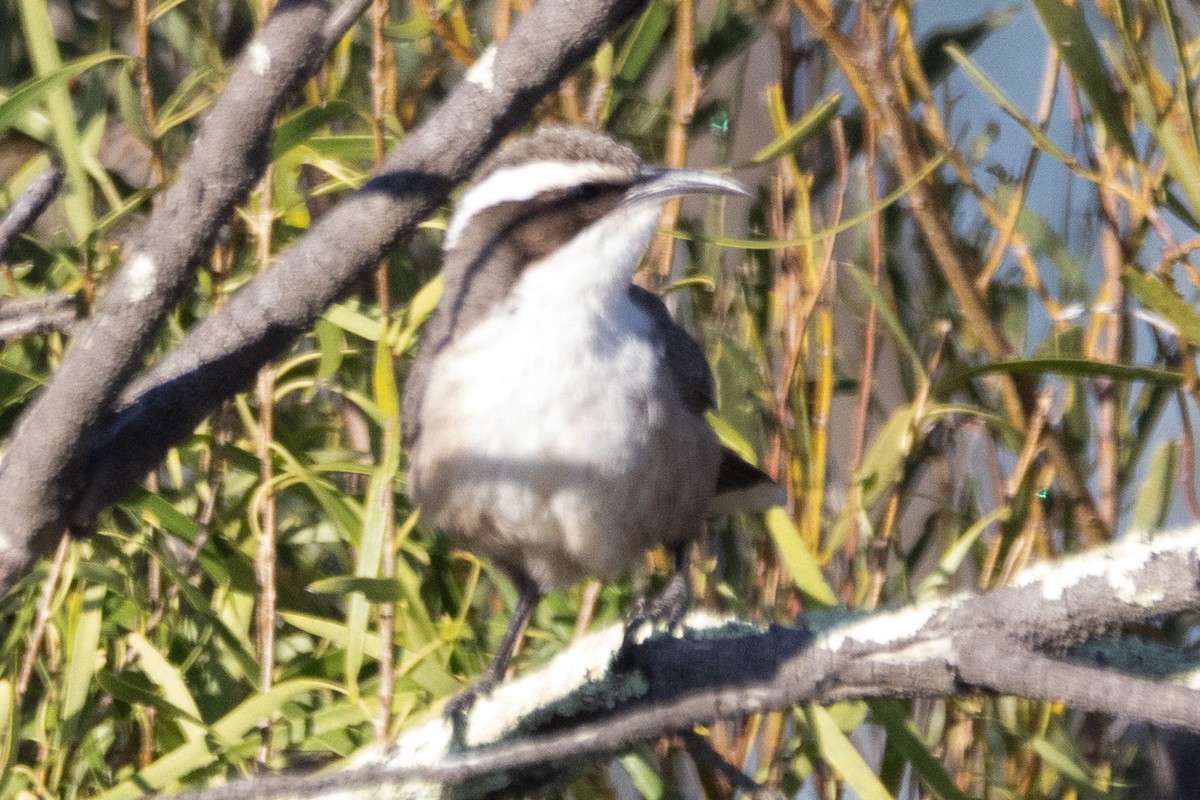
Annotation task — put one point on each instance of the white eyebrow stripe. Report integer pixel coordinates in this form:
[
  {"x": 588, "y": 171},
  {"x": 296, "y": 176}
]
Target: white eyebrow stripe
[{"x": 523, "y": 182}]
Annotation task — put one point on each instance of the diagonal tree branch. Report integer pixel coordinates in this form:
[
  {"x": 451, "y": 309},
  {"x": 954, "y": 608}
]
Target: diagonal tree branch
[
  {"x": 45, "y": 487},
  {"x": 42, "y": 472},
  {"x": 1009, "y": 641},
  {"x": 28, "y": 207},
  {"x": 223, "y": 353}
]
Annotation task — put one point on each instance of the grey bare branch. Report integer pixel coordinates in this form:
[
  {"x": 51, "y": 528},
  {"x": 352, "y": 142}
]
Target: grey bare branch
[
  {"x": 42, "y": 474},
  {"x": 22, "y": 316},
  {"x": 28, "y": 207},
  {"x": 224, "y": 352}
]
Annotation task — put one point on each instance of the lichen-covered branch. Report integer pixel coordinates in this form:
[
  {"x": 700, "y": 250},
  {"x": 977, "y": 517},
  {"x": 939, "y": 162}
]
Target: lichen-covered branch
[{"x": 1027, "y": 639}]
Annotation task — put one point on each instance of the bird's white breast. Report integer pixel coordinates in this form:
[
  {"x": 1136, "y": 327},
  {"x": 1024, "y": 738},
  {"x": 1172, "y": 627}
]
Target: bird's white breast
[{"x": 551, "y": 437}]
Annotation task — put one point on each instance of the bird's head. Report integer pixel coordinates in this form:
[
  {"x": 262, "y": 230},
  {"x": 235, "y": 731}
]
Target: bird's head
[{"x": 539, "y": 191}]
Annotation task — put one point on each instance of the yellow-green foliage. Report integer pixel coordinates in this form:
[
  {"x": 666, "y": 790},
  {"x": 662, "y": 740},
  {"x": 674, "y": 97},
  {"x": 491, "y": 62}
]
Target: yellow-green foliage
[{"x": 1011, "y": 381}]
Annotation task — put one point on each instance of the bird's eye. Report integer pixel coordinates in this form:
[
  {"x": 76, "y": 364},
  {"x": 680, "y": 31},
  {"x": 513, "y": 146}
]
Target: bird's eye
[{"x": 587, "y": 191}]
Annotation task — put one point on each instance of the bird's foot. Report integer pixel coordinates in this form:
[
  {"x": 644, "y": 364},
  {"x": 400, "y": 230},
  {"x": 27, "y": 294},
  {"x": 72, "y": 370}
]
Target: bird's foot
[
  {"x": 665, "y": 611},
  {"x": 459, "y": 707}
]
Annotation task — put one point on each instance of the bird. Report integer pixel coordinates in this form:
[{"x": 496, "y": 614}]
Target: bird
[{"x": 554, "y": 414}]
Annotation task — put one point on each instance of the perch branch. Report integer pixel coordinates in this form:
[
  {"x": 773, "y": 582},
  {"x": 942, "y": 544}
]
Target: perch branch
[{"x": 1016, "y": 640}]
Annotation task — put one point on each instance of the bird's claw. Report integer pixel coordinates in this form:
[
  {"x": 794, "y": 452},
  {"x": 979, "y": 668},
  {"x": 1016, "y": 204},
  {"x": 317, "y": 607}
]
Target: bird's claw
[{"x": 665, "y": 611}]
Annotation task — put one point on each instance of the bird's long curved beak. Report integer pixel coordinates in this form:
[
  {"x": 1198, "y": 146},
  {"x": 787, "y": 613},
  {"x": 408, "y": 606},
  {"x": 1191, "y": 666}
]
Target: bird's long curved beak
[{"x": 655, "y": 184}]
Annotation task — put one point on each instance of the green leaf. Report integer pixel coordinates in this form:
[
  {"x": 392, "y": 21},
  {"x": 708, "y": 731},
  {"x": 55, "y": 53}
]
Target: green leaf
[
  {"x": 1183, "y": 89},
  {"x": 644, "y": 41},
  {"x": 162, "y": 8},
  {"x": 1166, "y": 302},
  {"x": 95, "y": 572},
  {"x": 883, "y": 463},
  {"x": 166, "y": 676},
  {"x": 814, "y": 119},
  {"x": 641, "y": 46},
  {"x": 645, "y": 779},
  {"x": 128, "y": 104},
  {"x": 344, "y": 146},
  {"x": 330, "y": 342},
  {"x": 893, "y": 324},
  {"x": 844, "y": 225},
  {"x": 387, "y": 395},
  {"x": 410, "y": 30},
  {"x": 1153, "y": 502},
  {"x": 422, "y": 305},
  {"x": 8, "y": 733},
  {"x": 43, "y": 52},
  {"x": 955, "y": 554},
  {"x": 801, "y": 563},
  {"x": 193, "y": 95},
  {"x": 228, "y": 732},
  {"x": 300, "y": 126},
  {"x": 157, "y": 511},
  {"x": 841, "y": 754},
  {"x": 338, "y": 508},
  {"x": 1045, "y": 241},
  {"x": 967, "y": 37},
  {"x": 1074, "y": 367},
  {"x": 1068, "y": 766},
  {"x": 902, "y": 735},
  {"x": 375, "y": 590},
  {"x": 353, "y": 321},
  {"x": 87, "y": 609},
  {"x": 370, "y": 554},
  {"x": 1069, "y": 31},
  {"x": 1007, "y": 106},
  {"x": 127, "y": 691},
  {"x": 35, "y": 90},
  {"x": 329, "y": 629}
]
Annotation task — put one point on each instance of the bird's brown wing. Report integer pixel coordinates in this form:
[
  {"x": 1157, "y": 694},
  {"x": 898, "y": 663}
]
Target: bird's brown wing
[
  {"x": 684, "y": 356},
  {"x": 741, "y": 486}
]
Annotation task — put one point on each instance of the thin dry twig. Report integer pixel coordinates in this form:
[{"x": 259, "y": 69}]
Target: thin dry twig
[
  {"x": 43, "y": 463},
  {"x": 383, "y": 103},
  {"x": 866, "y": 60},
  {"x": 685, "y": 95},
  {"x": 34, "y": 645}
]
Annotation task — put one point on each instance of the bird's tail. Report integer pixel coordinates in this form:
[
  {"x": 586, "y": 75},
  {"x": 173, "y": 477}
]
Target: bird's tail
[{"x": 741, "y": 486}]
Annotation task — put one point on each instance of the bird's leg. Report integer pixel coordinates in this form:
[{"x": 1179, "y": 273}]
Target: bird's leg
[
  {"x": 527, "y": 599},
  {"x": 667, "y": 609}
]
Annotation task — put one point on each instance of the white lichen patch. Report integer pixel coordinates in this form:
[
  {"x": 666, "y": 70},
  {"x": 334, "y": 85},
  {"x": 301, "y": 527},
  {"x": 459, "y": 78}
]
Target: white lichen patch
[
  {"x": 260, "y": 58},
  {"x": 939, "y": 649},
  {"x": 587, "y": 661},
  {"x": 141, "y": 277},
  {"x": 1145, "y": 599},
  {"x": 882, "y": 628},
  {"x": 1117, "y": 564},
  {"x": 582, "y": 676},
  {"x": 483, "y": 72}
]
